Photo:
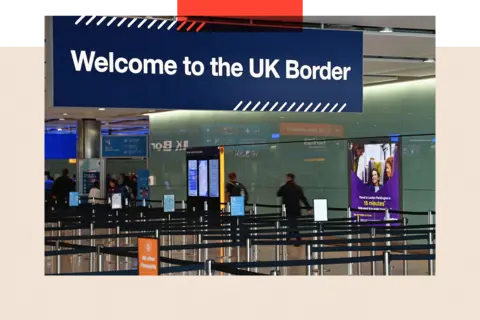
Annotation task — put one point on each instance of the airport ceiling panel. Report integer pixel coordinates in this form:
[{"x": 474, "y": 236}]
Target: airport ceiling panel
[{"x": 404, "y": 22}]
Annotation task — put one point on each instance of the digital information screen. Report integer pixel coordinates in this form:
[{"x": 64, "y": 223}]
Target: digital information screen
[
  {"x": 214, "y": 176},
  {"x": 192, "y": 178},
  {"x": 203, "y": 178}
]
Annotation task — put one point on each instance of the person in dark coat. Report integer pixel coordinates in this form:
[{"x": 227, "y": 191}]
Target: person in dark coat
[
  {"x": 62, "y": 187},
  {"x": 292, "y": 194}
]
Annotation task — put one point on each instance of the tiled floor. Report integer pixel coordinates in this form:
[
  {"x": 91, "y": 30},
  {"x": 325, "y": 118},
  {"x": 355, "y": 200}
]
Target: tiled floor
[{"x": 80, "y": 262}]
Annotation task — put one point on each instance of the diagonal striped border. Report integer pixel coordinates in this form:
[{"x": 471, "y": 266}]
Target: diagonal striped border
[
  {"x": 290, "y": 107},
  {"x": 146, "y": 23}
]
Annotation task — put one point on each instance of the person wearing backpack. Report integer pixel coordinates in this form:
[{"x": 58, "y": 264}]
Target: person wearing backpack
[{"x": 235, "y": 188}]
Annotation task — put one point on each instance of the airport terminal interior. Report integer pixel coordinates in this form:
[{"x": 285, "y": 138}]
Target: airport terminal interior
[{"x": 268, "y": 188}]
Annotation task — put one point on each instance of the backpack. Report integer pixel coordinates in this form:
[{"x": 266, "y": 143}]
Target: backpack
[{"x": 239, "y": 190}]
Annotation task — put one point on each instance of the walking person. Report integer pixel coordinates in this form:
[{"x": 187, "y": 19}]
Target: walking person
[{"x": 292, "y": 194}]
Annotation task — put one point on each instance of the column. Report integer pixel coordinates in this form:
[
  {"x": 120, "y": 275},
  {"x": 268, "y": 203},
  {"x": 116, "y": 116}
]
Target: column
[{"x": 89, "y": 133}]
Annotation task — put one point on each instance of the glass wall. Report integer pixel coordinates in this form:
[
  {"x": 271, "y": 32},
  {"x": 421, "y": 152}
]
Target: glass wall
[{"x": 264, "y": 146}]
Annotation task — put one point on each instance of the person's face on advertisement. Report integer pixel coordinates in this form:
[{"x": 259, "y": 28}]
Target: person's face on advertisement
[
  {"x": 358, "y": 151},
  {"x": 388, "y": 169},
  {"x": 375, "y": 178}
]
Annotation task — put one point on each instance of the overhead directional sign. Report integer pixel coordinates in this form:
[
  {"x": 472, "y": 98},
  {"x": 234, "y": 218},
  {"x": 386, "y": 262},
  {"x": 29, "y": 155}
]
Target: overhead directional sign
[
  {"x": 124, "y": 146},
  {"x": 140, "y": 63}
]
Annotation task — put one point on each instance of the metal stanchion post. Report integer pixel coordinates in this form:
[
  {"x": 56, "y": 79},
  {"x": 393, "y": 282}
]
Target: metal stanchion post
[
  {"x": 92, "y": 244},
  {"x": 59, "y": 258},
  {"x": 386, "y": 263},
  {"x": 359, "y": 265},
  {"x": 284, "y": 247},
  {"x": 199, "y": 252},
  {"x": 238, "y": 240},
  {"x": 322, "y": 253},
  {"x": 255, "y": 246},
  {"x": 405, "y": 251},
  {"x": 247, "y": 251},
  {"x": 99, "y": 258},
  {"x": 274, "y": 272},
  {"x": 208, "y": 267},
  {"x": 170, "y": 240},
  {"x": 431, "y": 267},
  {"x": 387, "y": 218},
  {"x": 308, "y": 253},
  {"x": 117, "y": 244},
  {"x": 350, "y": 253},
  {"x": 374, "y": 253},
  {"x": 431, "y": 270},
  {"x": 184, "y": 236},
  {"x": 277, "y": 246},
  {"x": 315, "y": 245}
]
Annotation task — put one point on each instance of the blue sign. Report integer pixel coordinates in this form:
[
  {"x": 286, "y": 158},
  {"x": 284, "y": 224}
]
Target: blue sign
[
  {"x": 192, "y": 178},
  {"x": 237, "y": 206},
  {"x": 139, "y": 63},
  {"x": 168, "y": 203},
  {"x": 60, "y": 146},
  {"x": 124, "y": 146},
  {"x": 73, "y": 199},
  {"x": 89, "y": 178},
  {"x": 143, "y": 188}
]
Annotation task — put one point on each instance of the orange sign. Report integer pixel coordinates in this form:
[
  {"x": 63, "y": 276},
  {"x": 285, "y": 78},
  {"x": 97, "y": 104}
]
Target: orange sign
[
  {"x": 311, "y": 129},
  {"x": 148, "y": 257}
]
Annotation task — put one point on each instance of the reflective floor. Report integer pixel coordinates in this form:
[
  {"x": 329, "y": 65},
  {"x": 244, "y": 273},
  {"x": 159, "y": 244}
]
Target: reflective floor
[{"x": 81, "y": 262}]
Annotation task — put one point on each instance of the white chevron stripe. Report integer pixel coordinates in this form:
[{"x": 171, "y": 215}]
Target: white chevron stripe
[
  {"x": 265, "y": 106},
  {"x": 325, "y": 108},
  {"x": 121, "y": 22},
  {"x": 318, "y": 106},
  {"x": 300, "y": 107},
  {"x": 237, "y": 106},
  {"x": 273, "y": 107},
  {"x": 90, "y": 20},
  {"x": 334, "y": 107},
  {"x": 343, "y": 107},
  {"x": 151, "y": 24},
  {"x": 283, "y": 106},
  {"x": 131, "y": 22},
  {"x": 290, "y": 108},
  {"x": 248, "y": 105},
  {"x": 101, "y": 20},
  {"x": 306, "y": 110},
  {"x": 256, "y": 106},
  {"x": 111, "y": 21},
  {"x": 171, "y": 24},
  {"x": 142, "y": 23},
  {"x": 162, "y": 24},
  {"x": 79, "y": 20}
]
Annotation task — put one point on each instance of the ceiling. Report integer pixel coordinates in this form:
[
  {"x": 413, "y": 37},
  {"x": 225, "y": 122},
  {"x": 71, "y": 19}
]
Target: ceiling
[{"x": 406, "y": 51}]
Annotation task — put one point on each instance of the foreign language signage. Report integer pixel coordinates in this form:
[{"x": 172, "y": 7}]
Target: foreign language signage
[
  {"x": 124, "y": 146},
  {"x": 113, "y": 62}
]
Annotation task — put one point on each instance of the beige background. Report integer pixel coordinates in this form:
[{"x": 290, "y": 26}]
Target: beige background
[{"x": 30, "y": 294}]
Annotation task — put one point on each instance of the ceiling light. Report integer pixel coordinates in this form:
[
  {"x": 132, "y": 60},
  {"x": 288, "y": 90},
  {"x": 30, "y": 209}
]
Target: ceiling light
[
  {"x": 59, "y": 129},
  {"x": 65, "y": 114},
  {"x": 61, "y": 119},
  {"x": 101, "y": 109},
  {"x": 429, "y": 60},
  {"x": 386, "y": 30}
]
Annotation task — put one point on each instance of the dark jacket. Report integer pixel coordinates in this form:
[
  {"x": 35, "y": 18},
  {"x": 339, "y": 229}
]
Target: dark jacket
[
  {"x": 291, "y": 194},
  {"x": 62, "y": 187}
]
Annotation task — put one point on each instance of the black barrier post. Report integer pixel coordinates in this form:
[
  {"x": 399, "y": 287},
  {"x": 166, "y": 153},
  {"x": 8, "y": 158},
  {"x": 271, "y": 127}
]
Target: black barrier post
[
  {"x": 374, "y": 253},
  {"x": 431, "y": 270},
  {"x": 350, "y": 253},
  {"x": 405, "y": 243},
  {"x": 359, "y": 254},
  {"x": 386, "y": 263},
  {"x": 199, "y": 252},
  {"x": 247, "y": 251},
  {"x": 208, "y": 267},
  {"x": 92, "y": 244},
  {"x": 117, "y": 244},
  {"x": 184, "y": 236},
  {"x": 170, "y": 240},
  {"x": 255, "y": 246},
  {"x": 59, "y": 258},
  {"x": 284, "y": 247},
  {"x": 322, "y": 254},
  {"x": 308, "y": 254},
  {"x": 99, "y": 258},
  {"x": 277, "y": 246},
  {"x": 238, "y": 239}
]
